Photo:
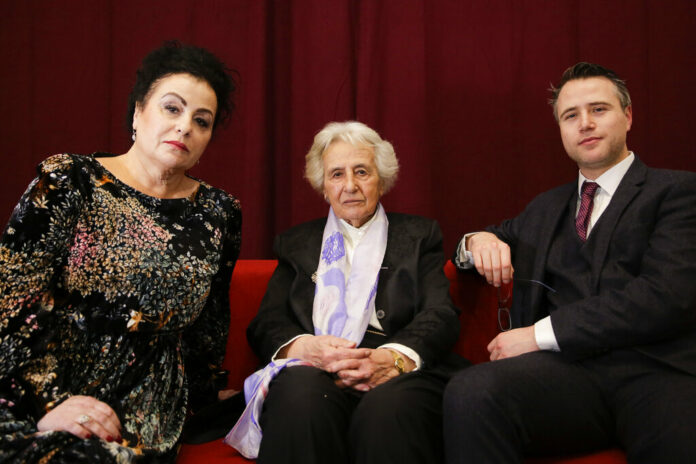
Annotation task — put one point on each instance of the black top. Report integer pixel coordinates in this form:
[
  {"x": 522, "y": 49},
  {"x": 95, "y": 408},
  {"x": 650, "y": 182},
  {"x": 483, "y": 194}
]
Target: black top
[{"x": 111, "y": 293}]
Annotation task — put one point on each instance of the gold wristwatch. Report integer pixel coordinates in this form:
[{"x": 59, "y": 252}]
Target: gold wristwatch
[{"x": 398, "y": 361}]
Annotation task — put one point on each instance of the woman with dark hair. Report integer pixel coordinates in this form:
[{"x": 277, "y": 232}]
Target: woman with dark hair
[{"x": 114, "y": 277}]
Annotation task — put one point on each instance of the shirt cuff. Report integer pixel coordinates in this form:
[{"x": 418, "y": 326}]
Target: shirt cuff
[
  {"x": 407, "y": 351},
  {"x": 464, "y": 258},
  {"x": 544, "y": 335},
  {"x": 275, "y": 355}
]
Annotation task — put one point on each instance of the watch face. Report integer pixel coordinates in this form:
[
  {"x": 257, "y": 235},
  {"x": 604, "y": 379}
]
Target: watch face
[{"x": 399, "y": 364}]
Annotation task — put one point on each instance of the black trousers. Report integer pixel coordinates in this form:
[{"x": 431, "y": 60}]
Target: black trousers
[
  {"x": 307, "y": 419},
  {"x": 539, "y": 403}
]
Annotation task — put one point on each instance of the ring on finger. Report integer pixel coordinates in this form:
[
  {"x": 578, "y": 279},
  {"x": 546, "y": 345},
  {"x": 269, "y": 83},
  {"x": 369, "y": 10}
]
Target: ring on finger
[{"x": 82, "y": 419}]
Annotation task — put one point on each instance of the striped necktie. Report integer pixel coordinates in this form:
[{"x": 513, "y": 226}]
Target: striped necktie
[{"x": 586, "y": 203}]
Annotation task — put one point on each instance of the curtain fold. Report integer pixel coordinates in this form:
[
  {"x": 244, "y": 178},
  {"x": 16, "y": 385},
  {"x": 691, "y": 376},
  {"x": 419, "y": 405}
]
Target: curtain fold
[{"x": 459, "y": 88}]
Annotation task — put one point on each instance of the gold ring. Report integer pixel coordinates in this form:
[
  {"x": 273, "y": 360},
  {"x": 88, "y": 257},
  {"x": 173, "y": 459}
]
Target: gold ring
[{"x": 83, "y": 419}]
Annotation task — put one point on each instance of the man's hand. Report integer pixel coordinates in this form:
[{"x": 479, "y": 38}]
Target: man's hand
[
  {"x": 513, "y": 343},
  {"x": 84, "y": 417},
  {"x": 491, "y": 257},
  {"x": 322, "y": 350}
]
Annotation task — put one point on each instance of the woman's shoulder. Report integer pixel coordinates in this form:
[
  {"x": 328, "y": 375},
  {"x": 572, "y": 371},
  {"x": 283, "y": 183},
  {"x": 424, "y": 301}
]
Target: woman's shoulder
[
  {"x": 218, "y": 202},
  {"x": 65, "y": 169},
  {"x": 219, "y": 194},
  {"x": 410, "y": 220},
  {"x": 60, "y": 162},
  {"x": 66, "y": 163}
]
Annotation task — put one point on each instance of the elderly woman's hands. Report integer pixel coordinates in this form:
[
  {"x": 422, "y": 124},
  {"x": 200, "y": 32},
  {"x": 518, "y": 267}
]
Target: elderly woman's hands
[
  {"x": 359, "y": 368},
  {"x": 323, "y": 350},
  {"x": 367, "y": 373},
  {"x": 84, "y": 417}
]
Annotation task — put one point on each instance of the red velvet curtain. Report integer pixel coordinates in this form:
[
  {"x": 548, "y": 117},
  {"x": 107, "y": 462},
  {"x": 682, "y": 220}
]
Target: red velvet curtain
[{"x": 459, "y": 88}]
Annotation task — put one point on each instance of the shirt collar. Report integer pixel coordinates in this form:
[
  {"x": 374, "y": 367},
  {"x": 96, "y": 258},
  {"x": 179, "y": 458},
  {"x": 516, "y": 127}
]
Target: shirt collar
[
  {"x": 354, "y": 234},
  {"x": 609, "y": 181}
]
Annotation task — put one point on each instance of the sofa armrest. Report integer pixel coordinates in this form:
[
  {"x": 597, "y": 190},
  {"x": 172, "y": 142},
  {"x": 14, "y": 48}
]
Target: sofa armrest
[
  {"x": 247, "y": 288},
  {"x": 478, "y": 302}
]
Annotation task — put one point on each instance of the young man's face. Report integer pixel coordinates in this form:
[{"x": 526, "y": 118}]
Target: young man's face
[{"x": 593, "y": 125}]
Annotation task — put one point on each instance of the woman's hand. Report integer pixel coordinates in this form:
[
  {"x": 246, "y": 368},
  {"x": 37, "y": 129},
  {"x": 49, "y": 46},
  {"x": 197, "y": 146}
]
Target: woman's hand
[
  {"x": 84, "y": 417},
  {"x": 365, "y": 374},
  {"x": 323, "y": 350}
]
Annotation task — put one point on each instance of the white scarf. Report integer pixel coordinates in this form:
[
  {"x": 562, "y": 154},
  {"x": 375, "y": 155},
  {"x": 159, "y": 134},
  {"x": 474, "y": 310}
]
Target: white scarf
[{"x": 342, "y": 307}]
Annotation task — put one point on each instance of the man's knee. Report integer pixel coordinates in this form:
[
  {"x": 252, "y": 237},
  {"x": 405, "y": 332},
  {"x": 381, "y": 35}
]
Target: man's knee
[{"x": 473, "y": 389}]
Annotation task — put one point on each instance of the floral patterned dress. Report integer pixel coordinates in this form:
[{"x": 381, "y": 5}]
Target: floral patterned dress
[{"x": 108, "y": 292}]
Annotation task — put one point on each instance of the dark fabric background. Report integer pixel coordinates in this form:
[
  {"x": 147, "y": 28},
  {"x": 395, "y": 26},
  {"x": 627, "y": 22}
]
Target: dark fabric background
[{"x": 459, "y": 88}]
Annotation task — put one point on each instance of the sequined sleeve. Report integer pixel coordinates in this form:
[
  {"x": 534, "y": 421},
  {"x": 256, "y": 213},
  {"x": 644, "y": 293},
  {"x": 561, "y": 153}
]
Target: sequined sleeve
[
  {"x": 34, "y": 245},
  {"x": 205, "y": 342}
]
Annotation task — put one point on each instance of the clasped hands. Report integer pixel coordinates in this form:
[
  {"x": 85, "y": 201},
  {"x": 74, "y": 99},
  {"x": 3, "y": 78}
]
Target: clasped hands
[
  {"x": 359, "y": 368},
  {"x": 493, "y": 260}
]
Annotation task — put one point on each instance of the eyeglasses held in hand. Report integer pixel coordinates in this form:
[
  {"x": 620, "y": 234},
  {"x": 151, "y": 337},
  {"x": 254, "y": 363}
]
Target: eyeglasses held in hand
[{"x": 505, "y": 301}]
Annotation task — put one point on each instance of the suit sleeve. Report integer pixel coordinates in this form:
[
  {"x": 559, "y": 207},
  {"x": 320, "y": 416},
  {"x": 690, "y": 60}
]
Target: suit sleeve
[
  {"x": 275, "y": 323},
  {"x": 647, "y": 293},
  {"x": 434, "y": 327}
]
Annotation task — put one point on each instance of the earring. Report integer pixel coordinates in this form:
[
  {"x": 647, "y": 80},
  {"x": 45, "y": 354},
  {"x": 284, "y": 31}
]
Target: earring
[{"x": 134, "y": 133}]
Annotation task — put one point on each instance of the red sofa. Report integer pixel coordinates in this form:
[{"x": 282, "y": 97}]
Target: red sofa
[{"x": 470, "y": 293}]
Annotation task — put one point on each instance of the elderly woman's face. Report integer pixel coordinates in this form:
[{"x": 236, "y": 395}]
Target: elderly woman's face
[
  {"x": 175, "y": 124},
  {"x": 351, "y": 182}
]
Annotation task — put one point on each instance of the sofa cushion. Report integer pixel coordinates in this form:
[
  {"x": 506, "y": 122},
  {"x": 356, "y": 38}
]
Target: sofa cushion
[{"x": 478, "y": 320}]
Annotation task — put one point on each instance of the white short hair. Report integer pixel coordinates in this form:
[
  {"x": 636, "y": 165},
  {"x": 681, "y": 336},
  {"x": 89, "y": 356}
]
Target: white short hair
[{"x": 356, "y": 134}]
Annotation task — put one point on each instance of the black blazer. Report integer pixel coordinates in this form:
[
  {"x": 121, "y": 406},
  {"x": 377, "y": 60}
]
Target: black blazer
[
  {"x": 412, "y": 294},
  {"x": 643, "y": 271}
]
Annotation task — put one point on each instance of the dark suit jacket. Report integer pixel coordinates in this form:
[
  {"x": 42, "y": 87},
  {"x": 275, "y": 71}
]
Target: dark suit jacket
[
  {"x": 643, "y": 271},
  {"x": 412, "y": 294}
]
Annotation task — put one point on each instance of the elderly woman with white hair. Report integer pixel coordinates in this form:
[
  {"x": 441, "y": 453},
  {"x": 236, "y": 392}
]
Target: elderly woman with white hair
[{"x": 356, "y": 326}]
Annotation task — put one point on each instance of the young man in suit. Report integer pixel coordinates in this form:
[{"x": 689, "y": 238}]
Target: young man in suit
[{"x": 604, "y": 353}]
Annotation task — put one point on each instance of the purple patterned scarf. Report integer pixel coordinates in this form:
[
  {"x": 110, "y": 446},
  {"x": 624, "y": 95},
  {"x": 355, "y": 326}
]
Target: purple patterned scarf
[{"x": 342, "y": 307}]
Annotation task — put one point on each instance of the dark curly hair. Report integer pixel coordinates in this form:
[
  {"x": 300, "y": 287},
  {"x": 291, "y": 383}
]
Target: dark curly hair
[
  {"x": 175, "y": 58},
  {"x": 584, "y": 70}
]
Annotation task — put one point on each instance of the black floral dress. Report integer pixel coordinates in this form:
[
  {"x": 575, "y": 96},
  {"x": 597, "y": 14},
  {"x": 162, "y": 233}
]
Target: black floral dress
[{"x": 108, "y": 292}]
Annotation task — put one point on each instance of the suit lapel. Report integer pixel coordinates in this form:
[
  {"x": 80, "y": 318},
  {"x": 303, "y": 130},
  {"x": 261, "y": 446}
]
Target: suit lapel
[
  {"x": 399, "y": 241},
  {"x": 628, "y": 188},
  {"x": 307, "y": 255},
  {"x": 304, "y": 247},
  {"x": 389, "y": 252}
]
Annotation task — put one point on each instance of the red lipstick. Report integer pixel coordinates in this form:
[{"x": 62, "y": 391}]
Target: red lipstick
[{"x": 179, "y": 145}]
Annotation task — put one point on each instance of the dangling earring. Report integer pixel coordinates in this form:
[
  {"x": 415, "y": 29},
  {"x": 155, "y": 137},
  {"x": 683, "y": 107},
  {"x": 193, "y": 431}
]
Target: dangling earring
[{"x": 134, "y": 133}]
